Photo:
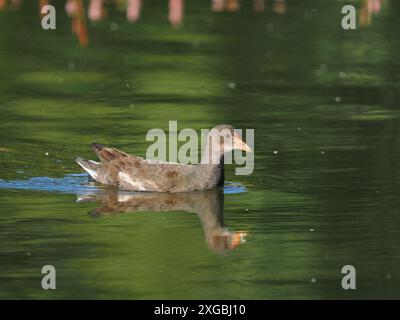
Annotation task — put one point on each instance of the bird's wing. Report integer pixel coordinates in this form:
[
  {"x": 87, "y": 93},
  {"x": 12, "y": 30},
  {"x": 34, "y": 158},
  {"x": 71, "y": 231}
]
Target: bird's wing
[{"x": 107, "y": 154}]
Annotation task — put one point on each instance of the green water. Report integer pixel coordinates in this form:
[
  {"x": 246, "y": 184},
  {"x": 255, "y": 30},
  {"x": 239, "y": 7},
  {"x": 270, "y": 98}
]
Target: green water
[{"x": 325, "y": 191}]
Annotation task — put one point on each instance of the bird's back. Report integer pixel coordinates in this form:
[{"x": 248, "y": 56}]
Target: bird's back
[{"x": 135, "y": 173}]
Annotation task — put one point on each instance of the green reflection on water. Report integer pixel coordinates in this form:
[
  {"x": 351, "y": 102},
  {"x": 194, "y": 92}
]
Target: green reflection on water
[{"x": 328, "y": 197}]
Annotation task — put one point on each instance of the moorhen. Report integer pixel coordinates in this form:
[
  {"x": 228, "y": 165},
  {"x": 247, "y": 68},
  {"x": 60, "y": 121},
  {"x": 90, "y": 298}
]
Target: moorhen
[{"x": 129, "y": 172}]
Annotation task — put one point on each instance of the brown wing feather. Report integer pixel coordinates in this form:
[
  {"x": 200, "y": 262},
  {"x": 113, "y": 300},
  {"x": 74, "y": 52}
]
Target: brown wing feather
[
  {"x": 106, "y": 154},
  {"x": 135, "y": 173}
]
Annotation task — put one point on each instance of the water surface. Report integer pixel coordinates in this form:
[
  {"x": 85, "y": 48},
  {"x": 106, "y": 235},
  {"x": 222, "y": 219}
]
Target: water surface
[{"x": 325, "y": 191}]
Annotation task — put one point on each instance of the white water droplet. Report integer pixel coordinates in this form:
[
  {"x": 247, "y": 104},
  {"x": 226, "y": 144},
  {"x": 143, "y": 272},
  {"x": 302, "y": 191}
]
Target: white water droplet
[
  {"x": 270, "y": 27},
  {"x": 323, "y": 67},
  {"x": 114, "y": 26}
]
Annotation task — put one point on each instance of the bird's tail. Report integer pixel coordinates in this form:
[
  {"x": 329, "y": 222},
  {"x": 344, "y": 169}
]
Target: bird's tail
[{"x": 91, "y": 167}]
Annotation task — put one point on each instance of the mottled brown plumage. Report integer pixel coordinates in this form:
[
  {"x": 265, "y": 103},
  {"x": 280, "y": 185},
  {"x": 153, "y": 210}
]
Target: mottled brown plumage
[{"x": 129, "y": 172}]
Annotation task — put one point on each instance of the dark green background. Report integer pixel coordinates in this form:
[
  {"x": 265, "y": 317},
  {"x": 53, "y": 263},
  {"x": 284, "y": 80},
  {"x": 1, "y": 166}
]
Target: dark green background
[{"x": 336, "y": 170}]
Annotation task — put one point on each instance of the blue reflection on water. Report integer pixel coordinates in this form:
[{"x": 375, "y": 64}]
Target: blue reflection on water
[{"x": 79, "y": 183}]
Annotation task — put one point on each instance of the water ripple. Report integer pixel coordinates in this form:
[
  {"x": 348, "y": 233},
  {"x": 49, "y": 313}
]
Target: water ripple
[{"x": 79, "y": 183}]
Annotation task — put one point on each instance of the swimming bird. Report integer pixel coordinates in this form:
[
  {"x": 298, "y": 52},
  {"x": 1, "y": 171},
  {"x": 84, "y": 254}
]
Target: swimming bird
[{"x": 130, "y": 172}]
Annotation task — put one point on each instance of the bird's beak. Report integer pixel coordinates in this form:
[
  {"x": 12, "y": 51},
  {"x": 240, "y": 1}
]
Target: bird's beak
[
  {"x": 237, "y": 238},
  {"x": 239, "y": 144}
]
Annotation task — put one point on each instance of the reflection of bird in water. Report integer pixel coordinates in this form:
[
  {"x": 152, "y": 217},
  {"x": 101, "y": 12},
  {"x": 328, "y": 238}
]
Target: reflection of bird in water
[{"x": 209, "y": 206}]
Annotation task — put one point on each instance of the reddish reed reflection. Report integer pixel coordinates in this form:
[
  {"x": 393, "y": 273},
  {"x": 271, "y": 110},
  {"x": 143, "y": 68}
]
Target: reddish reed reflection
[
  {"x": 42, "y": 3},
  {"x": 175, "y": 12},
  {"x": 97, "y": 10},
  {"x": 368, "y": 9},
  {"x": 259, "y": 5},
  {"x": 133, "y": 10},
  {"x": 280, "y": 7},
  {"x": 77, "y": 12}
]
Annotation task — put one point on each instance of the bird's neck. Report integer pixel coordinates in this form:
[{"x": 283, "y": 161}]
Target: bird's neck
[
  {"x": 215, "y": 160},
  {"x": 212, "y": 156}
]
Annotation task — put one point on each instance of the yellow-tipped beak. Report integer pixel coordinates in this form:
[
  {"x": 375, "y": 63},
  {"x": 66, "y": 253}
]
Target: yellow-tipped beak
[
  {"x": 239, "y": 144},
  {"x": 237, "y": 238}
]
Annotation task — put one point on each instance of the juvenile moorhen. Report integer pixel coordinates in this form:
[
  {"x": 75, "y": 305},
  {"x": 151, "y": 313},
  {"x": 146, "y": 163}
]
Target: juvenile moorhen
[{"x": 129, "y": 172}]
